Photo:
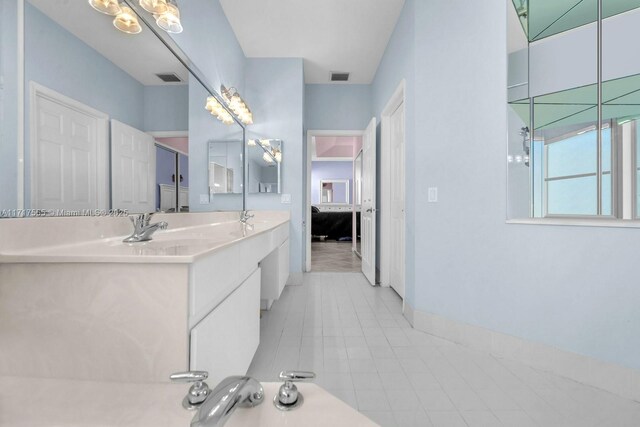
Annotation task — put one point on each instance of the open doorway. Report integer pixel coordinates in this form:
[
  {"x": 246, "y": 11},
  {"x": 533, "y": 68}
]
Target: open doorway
[
  {"x": 172, "y": 171},
  {"x": 333, "y": 201}
]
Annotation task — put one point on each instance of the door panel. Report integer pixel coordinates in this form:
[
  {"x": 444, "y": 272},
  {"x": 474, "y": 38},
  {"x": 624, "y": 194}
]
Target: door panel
[
  {"x": 133, "y": 164},
  {"x": 396, "y": 275},
  {"x": 368, "y": 219},
  {"x": 67, "y": 148}
]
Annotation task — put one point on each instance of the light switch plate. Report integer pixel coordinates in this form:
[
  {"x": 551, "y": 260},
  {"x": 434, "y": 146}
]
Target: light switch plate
[
  {"x": 286, "y": 199},
  {"x": 432, "y": 195},
  {"x": 204, "y": 199}
]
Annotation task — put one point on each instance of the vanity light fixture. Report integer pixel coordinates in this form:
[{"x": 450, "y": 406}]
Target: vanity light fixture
[
  {"x": 127, "y": 21},
  {"x": 217, "y": 110},
  {"x": 251, "y": 143},
  {"x": 169, "y": 20},
  {"x": 108, "y": 7},
  {"x": 157, "y": 7},
  {"x": 237, "y": 104},
  {"x": 265, "y": 143}
]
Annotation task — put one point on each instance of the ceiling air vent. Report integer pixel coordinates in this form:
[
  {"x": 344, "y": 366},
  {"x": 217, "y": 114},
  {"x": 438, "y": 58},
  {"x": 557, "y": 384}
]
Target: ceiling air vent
[
  {"x": 169, "y": 77},
  {"x": 339, "y": 77}
]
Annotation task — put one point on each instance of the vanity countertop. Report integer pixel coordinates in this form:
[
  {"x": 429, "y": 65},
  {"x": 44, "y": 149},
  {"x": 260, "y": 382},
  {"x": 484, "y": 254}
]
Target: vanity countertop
[
  {"x": 36, "y": 402},
  {"x": 182, "y": 243}
]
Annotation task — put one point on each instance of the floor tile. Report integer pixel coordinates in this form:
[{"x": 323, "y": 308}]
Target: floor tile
[{"x": 356, "y": 339}]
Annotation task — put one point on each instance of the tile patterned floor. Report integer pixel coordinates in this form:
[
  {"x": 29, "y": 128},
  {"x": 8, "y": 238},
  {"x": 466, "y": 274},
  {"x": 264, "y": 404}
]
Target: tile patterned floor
[
  {"x": 334, "y": 257},
  {"x": 364, "y": 351}
]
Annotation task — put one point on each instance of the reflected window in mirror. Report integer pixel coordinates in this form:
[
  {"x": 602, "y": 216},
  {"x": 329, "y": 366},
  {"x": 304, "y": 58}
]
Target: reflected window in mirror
[
  {"x": 264, "y": 161},
  {"x": 335, "y": 192},
  {"x": 572, "y": 110}
]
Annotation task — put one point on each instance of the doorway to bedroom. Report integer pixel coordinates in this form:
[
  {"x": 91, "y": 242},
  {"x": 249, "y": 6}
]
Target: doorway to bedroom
[{"x": 334, "y": 201}]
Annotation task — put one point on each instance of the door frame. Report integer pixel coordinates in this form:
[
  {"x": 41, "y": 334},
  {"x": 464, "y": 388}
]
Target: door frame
[
  {"x": 102, "y": 162},
  {"x": 398, "y": 98},
  {"x": 307, "y": 223}
]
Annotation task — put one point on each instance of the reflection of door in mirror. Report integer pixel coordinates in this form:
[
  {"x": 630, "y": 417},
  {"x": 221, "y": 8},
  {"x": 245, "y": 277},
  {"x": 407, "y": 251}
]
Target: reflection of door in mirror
[
  {"x": 172, "y": 172},
  {"x": 93, "y": 77},
  {"x": 357, "y": 180}
]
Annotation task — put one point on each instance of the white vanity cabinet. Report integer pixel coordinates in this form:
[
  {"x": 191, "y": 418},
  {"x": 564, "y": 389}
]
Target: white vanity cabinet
[
  {"x": 275, "y": 273},
  {"x": 224, "y": 342},
  {"x": 108, "y": 311}
]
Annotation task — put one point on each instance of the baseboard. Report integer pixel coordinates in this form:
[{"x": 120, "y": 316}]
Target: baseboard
[
  {"x": 295, "y": 279},
  {"x": 614, "y": 378}
]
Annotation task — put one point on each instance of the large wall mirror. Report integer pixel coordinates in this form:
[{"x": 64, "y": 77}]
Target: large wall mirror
[
  {"x": 113, "y": 119},
  {"x": 573, "y": 107}
]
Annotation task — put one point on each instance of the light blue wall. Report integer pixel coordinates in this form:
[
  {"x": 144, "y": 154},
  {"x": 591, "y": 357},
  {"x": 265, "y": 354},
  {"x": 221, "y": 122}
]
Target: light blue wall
[
  {"x": 398, "y": 64},
  {"x": 211, "y": 44},
  {"x": 337, "y": 106},
  {"x": 77, "y": 71},
  {"x": 330, "y": 171},
  {"x": 275, "y": 91},
  {"x": 573, "y": 288},
  {"x": 8, "y": 108},
  {"x": 166, "y": 108}
]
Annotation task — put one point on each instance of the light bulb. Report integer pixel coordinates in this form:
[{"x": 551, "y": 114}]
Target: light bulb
[
  {"x": 170, "y": 20},
  {"x": 127, "y": 21},
  {"x": 278, "y": 156},
  {"x": 265, "y": 143},
  {"x": 251, "y": 143},
  {"x": 108, "y": 7},
  {"x": 267, "y": 158},
  {"x": 156, "y": 7}
]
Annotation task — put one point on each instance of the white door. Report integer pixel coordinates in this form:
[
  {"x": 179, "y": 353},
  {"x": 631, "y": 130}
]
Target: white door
[
  {"x": 133, "y": 169},
  {"x": 396, "y": 273},
  {"x": 68, "y": 153},
  {"x": 368, "y": 218}
]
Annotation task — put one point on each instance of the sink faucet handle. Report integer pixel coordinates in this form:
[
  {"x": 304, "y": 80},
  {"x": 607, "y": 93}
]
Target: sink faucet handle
[
  {"x": 297, "y": 376},
  {"x": 198, "y": 392},
  {"x": 189, "y": 376}
]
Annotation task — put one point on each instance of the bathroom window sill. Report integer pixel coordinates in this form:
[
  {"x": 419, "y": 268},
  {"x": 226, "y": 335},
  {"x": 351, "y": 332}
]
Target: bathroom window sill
[{"x": 578, "y": 222}]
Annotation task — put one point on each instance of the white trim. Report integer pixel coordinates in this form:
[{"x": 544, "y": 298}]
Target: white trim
[
  {"x": 310, "y": 142},
  {"x": 20, "y": 106},
  {"x": 577, "y": 222},
  {"x": 607, "y": 376},
  {"x": 397, "y": 99},
  {"x": 170, "y": 134},
  {"x": 103, "y": 182}
]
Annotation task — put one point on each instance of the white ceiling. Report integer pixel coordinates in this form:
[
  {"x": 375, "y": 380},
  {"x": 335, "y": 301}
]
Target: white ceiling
[
  {"x": 331, "y": 35},
  {"x": 141, "y": 55}
]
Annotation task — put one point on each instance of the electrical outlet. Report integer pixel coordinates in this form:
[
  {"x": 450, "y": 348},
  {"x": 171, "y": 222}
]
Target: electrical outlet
[
  {"x": 204, "y": 199},
  {"x": 286, "y": 199},
  {"x": 432, "y": 195}
]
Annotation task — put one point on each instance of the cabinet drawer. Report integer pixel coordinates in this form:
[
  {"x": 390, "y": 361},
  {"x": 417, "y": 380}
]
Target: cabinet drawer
[{"x": 225, "y": 341}]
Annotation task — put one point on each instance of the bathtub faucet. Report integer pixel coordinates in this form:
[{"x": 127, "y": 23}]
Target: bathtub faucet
[{"x": 142, "y": 230}]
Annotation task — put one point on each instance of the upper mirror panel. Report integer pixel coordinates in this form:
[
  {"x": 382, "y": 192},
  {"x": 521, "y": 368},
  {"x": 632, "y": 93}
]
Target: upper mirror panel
[
  {"x": 112, "y": 119},
  {"x": 544, "y": 18},
  {"x": 264, "y": 159}
]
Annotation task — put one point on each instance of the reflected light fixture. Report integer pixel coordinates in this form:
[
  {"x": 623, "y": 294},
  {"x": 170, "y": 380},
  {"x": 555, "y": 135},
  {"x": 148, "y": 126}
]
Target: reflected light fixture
[
  {"x": 108, "y": 7},
  {"x": 237, "y": 105},
  {"x": 267, "y": 157},
  {"x": 251, "y": 143},
  {"x": 157, "y": 7},
  {"x": 127, "y": 21},
  {"x": 217, "y": 110},
  {"x": 265, "y": 143},
  {"x": 169, "y": 20}
]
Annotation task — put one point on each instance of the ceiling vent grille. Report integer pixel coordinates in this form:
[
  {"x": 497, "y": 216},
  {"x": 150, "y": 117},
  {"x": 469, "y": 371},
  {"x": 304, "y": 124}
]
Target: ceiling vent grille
[
  {"x": 169, "y": 77},
  {"x": 339, "y": 77}
]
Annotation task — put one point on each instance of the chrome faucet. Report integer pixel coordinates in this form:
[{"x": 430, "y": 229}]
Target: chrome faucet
[
  {"x": 142, "y": 230},
  {"x": 218, "y": 405}
]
